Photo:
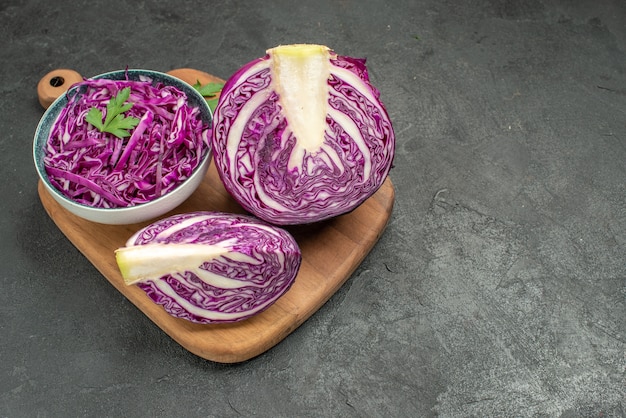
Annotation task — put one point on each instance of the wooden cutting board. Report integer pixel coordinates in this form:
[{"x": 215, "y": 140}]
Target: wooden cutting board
[{"x": 331, "y": 252}]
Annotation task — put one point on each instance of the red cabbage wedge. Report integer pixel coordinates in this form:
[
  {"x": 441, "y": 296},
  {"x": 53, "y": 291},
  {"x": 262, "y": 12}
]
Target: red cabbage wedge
[
  {"x": 211, "y": 267},
  {"x": 301, "y": 135}
]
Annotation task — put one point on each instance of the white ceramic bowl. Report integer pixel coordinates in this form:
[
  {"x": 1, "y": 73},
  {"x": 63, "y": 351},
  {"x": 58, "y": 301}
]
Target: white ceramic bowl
[{"x": 131, "y": 214}]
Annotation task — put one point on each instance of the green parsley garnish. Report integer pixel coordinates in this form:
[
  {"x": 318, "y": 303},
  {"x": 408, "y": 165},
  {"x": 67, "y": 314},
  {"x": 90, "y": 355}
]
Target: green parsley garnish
[
  {"x": 209, "y": 92},
  {"x": 114, "y": 123}
]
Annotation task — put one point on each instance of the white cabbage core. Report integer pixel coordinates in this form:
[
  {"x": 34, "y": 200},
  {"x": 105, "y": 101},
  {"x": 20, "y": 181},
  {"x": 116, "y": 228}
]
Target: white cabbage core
[
  {"x": 300, "y": 76},
  {"x": 140, "y": 263}
]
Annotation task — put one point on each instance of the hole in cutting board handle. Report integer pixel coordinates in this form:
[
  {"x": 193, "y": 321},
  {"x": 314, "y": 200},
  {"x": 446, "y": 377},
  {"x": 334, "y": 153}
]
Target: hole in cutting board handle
[{"x": 57, "y": 81}]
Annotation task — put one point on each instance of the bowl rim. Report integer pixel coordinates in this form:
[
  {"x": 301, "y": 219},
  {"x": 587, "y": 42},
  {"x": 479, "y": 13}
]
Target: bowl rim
[{"x": 38, "y": 145}]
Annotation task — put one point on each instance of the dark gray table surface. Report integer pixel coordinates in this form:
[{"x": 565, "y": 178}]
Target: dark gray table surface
[{"x": 498, "y": 288}]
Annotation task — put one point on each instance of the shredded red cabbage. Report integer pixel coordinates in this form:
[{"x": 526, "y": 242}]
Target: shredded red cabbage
[{"x": 101, "y": 170}]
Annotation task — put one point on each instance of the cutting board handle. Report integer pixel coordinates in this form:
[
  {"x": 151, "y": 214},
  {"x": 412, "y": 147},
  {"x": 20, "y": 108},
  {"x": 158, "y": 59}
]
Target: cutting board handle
[
  {"x": 58, "y": 81},
  {"x": 54, "y": 84}
]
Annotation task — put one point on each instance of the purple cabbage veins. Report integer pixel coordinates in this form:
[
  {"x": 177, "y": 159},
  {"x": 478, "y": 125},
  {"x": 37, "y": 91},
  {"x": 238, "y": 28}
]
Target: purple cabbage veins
[
  {"x": 247, "y": 265},
  {"x": 301, "y": 135}
]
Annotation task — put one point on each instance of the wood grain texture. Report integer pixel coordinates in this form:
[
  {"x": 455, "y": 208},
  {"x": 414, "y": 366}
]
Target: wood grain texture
[{"x": 331, "y": 251}]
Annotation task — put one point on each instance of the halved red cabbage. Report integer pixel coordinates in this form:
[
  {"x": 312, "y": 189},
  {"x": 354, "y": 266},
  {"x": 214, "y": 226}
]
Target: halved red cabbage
[
  {"x": 301, "y": 135},
  {"x": 211, "y": 267},
  {"x": 101, "y": 170}
]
